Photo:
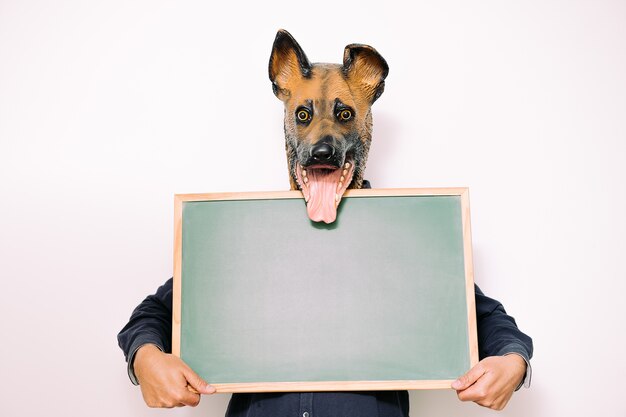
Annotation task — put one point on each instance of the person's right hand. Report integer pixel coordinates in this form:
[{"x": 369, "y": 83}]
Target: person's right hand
[{"x": 166, "y": 381}]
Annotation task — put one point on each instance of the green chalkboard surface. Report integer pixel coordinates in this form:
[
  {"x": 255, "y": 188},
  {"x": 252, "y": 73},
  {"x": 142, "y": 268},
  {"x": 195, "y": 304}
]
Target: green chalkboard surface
[{"x": 266, "y": 300}]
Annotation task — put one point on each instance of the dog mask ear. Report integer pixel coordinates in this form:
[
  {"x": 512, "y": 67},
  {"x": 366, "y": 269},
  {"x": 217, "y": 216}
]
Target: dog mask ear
[
  {"x": 363, "y": 65},
  {"x": 286, "y": 62}
]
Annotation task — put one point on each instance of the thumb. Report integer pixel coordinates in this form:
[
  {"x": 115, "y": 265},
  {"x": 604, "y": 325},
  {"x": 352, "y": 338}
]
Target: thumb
[
  {"x": 197, "y": 384},
  {"x": 469, "y": 378}
]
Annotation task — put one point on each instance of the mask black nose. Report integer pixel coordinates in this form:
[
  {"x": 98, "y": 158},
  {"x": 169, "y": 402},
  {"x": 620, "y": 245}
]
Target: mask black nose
[{"x": 322, "y": 152}]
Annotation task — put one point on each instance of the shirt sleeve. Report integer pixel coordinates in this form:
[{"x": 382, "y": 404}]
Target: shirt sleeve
[
  {"x": 150, "y": 323},
  {"x": 498, "y": 334}
]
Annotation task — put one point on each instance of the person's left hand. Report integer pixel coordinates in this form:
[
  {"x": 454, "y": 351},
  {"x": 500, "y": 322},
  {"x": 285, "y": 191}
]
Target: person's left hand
[{"x": 492, "y": 381}]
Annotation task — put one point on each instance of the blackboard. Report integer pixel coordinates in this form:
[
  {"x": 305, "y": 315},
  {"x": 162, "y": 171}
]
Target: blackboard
[{"x": 267, "y": 300}]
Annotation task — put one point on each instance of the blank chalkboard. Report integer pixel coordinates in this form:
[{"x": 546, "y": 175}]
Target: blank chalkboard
[{"x": 267, "y": 300}]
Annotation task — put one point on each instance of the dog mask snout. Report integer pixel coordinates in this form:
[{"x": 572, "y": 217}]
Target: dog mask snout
[{"x": 322, "y": 152}]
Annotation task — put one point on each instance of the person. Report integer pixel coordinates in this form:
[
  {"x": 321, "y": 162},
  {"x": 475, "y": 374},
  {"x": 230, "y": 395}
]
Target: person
[{"x": 164, "y": 379}]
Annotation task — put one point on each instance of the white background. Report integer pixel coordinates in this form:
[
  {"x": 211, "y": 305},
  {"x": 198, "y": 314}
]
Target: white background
[{"x": 109, "y": 108}]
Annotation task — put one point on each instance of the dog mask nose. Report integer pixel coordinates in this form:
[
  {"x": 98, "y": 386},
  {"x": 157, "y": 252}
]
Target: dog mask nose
[{"x": 322, "y": 152}]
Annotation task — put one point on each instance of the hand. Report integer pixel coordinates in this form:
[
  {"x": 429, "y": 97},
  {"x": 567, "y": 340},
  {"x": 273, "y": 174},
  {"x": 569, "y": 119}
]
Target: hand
[
  {"x": 166, "y": 381},
  {"x": 492, "y": 381}
]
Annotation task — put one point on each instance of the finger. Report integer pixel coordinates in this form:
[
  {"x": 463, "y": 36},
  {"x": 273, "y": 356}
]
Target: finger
[
  {"x": 186, "y": 397},
  {"x": 196, "y": 383},
  {"x": 192, "y": 401},
  {"x": 476, "y": 393},
  {"x": 469, "y": 378}
]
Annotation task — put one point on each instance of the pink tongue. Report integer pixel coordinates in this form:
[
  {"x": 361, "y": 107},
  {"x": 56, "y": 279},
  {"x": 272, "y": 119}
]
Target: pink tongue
[{"x": 322, "y": 189}]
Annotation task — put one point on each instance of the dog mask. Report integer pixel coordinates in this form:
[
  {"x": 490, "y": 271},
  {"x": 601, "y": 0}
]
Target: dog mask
[{"x": 328, "y": 120}]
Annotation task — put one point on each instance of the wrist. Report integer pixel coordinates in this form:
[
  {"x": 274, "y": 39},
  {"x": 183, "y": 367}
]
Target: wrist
[
  {"x": 518, "y": 365},
  {"x": 517, "y": 359},
  {"x": 147, "y": 349},
  {"x": 144, "y": 356}
]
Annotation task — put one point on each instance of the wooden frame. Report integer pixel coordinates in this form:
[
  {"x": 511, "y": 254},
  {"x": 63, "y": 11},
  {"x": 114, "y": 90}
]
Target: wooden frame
[{"x": 463, "y": 193}]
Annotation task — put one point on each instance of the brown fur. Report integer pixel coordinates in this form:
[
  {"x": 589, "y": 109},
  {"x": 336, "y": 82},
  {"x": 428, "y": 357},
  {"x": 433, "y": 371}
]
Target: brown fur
[{"x": 356, "y": 84}]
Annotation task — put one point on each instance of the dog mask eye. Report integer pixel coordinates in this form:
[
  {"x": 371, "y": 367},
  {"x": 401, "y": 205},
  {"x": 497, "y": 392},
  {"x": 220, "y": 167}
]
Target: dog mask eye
[
  {"x": 344, "y": 115},
  {"x": 303, "y": 115}
]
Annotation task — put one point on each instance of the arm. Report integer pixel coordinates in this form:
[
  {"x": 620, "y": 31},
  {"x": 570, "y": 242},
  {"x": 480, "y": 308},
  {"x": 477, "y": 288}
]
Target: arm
[
  {"x": 497, "y": 331},
  {"x": 150, "y": 323},
  {"x": 145, "y": 340},
  {"x": 505, "y": 354}
]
